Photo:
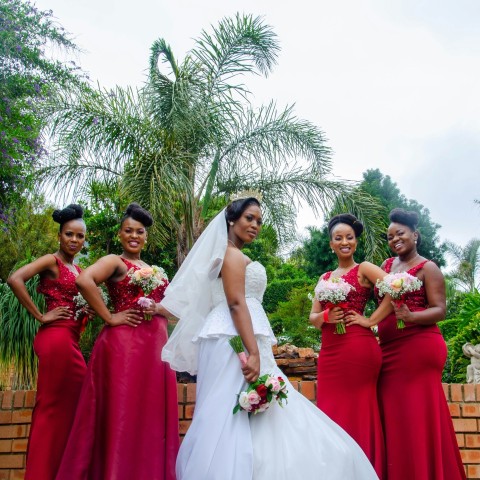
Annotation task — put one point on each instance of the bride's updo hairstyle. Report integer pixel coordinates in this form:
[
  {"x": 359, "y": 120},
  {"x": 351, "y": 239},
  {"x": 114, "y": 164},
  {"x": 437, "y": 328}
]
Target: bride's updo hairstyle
[
  {"x": 237, "y": 207},
  {"x": 407, "y": 218},
  {"x": 70, "y": 212},
  {"x": 135, "y": 211},
  {"x": 347, "y": 219}
]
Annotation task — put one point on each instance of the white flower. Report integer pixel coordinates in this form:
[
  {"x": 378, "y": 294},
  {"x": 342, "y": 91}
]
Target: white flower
[{"x": 244, "y": 402}]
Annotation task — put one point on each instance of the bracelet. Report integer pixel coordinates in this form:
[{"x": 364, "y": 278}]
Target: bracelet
[{"x": 325, "y": 315}]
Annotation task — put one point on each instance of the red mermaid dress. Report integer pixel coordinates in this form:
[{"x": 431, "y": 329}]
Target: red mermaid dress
[
  {"x": 61, "y": 369},
  {"x": 348, "y": 369},
  {"x": 126, "y": 425},
  {"x": 419, "y": 435}
]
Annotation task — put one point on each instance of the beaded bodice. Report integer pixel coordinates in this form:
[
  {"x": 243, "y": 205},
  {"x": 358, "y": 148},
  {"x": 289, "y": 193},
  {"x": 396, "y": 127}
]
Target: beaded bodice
[
  {"x": 356, "y": 299},
  {"x": 124, "y": 295},
  {"x": 255, "y": 284},
  {"x": 59, "y": 292},
  {"x": 416, "y": 300}
]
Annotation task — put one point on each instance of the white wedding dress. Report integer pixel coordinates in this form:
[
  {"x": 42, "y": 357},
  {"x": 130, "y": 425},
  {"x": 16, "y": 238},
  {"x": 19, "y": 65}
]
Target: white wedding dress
[{"x": 295, "y": 442}]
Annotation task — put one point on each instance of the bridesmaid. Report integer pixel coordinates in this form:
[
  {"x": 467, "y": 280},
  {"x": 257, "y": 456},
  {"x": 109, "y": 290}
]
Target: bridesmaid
[
  {"x": 419, "y": 435},
  {"x": 126, "y": 425},
  {"x": 61, "y": 367},
  {"x": 349, "y": 364}
]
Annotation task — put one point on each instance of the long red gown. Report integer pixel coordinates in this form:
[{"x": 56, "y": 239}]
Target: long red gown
[
  {"x": 348, "y": 369},
  {"x": 126, "y": 426},
  {"x": 61, "y": 369},
  {"x": 419, "y": 434}
]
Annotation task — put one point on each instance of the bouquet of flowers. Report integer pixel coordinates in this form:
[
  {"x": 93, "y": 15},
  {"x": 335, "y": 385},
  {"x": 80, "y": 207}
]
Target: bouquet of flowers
[
  {"x": 148, "y": 279},
  {"x": 334, "y": 291},
  {"x": 81, "y": 303},
  {"x": 261, "y": 394},
  {"x": 396, "y": 285}
]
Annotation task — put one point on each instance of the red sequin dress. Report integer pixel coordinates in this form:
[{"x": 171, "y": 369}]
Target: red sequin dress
[
  {"x": 348, "y": 369},
  {"x": 61, "y": 369},
  {"x": 419, "y": 435},
  {"x": 126, "y": 427}
]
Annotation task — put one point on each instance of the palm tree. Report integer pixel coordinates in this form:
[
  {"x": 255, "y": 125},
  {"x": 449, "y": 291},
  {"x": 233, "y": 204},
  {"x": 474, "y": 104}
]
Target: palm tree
[
  {"x": 466, "y": 271},
  {"x": 191, "y": 135}
]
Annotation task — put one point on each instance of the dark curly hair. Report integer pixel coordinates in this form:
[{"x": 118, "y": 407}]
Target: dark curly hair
[
  {"x": 70, "y": 212},
  {"x": 135, "y": 211},
  {"x": 407, "y": 218},
  {"x": 348, "y": 219},
  {"x": 235, "y": 209}
]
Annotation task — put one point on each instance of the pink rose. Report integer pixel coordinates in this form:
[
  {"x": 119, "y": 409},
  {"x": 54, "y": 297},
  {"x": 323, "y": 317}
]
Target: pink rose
[
  {"x": 274, "y": 383},
  {"x": 253, "y": 397},
  {"x": 145, "y": 272}
]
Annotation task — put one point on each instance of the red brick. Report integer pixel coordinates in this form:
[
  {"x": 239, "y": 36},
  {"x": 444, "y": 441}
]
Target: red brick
[
  {"x": 191, "y": 392},
  {"x": 30, "y": 399},
  {"x": 11, "y": 461},
  {"x": 470, "y": 410},
  {"x": 456, "y": 393},
  {"x": 7, "y": 400},
  {"x": 5, "y": 416},
  {"x": 22, "y": 416},
  {"x": 189, "y": 409},
  {"x": 17, "y": 474},
  {"x": 469, "y": 392},
  {"x": 470, "y": 456},
  {"x": 5, "y": 446},
  {"x": 13, "y": 431},
  {"x": 18, "y": 398},
  {"x": 294, "y": 384},
  {"x": 460, "y": 439},
  {"x": 464, "y": 424},
  {"x": 446, "y": 390},
  {"x": 19, "y": 445},
  {"x": 473, "y": 471},
  {"x": 472, "y": 440},
  {"x": 180, "y": 412},
  {"x": 454, "y": 409},
  {"x": 308, "y": 390},
  {"x": 4, "y": 474},
  {"x": 183, "y": 426},
  {"x": 181, "y": 392}
]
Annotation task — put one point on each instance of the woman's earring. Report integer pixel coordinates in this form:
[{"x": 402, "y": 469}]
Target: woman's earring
[{"x": 230, "y": 223}]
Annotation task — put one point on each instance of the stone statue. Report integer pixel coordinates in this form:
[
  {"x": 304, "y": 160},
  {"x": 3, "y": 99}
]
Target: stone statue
[{"x": 473, "y": 370}]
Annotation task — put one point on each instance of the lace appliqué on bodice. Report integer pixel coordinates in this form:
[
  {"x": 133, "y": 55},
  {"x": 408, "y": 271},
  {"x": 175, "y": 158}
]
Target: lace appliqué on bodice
[
  {"x": 219, "y": 321},
  {"x": 124, "y": 295},
  {"x": 59, "y": 292},
  {"x": 356, "y": 299}
]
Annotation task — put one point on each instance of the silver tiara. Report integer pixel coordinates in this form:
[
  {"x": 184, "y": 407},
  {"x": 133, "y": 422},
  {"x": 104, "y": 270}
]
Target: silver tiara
[{"x": 246, "y": 194}]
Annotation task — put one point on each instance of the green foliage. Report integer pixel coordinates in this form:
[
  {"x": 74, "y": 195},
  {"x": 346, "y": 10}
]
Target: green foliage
[
  {"x": 17, "y": 332},
  {"x": 27, "y": 75},
  {"x": 383, "y": 188},
  {"x": 31, "y": 232},
  {"x": 290, "y": 319},
  {"x": 466, "y": 273}
]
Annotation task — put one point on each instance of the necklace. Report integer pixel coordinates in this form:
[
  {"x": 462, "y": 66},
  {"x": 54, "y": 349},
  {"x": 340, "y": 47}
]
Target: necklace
[{"x": 233, "y": 243}]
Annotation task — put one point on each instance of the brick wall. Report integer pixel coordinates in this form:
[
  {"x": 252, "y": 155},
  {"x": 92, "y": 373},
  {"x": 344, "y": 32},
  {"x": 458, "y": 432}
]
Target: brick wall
[{"x": 16, "y": 408}]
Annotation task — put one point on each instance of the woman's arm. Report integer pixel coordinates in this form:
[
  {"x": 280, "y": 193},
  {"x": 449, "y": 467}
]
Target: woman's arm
[
  {"x": 233, "y": 278},
  {"x": 370, "y": 272},
  {"x": 16, "y": 282},
  {"x": 104, "y": 269},
  {"x": 435, "y": 289}
]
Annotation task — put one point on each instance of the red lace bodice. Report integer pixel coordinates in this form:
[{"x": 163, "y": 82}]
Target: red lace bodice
[
  {"x": 59, "y": 292},
  {"x": 356, "y": 299},
  {"x": 124, "y": 295},
  {"x": 413, "y": 300}
]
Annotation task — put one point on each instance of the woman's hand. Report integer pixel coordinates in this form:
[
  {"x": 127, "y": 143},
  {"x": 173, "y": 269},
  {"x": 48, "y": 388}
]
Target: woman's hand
[
  {"x": 251, "y": 370},
  {"x": 154, "y": 309},
  {"x": 354, "y": 318},
  {"x": 402, "y": 312},
  {"x": 129, "y": 317},
  {"x": 336, "y": 315},
  {"x": 59, "y": 313}
]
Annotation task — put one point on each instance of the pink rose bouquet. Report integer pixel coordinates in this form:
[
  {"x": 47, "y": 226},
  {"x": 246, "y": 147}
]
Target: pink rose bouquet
[
  {"x": 397, "y": 285},
  {"x": 334, "y": 291},
  {"x": 261, "y": 394},
  {"x": 148, "y": 279}
]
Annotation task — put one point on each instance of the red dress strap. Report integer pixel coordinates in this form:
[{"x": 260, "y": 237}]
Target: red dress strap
[
  {"x": 327, "y": 275},
  {"x": 416, "y": 268},
  {"x": 388, "y": 264}
]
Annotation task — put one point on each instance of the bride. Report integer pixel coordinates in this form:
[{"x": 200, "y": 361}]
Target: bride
[{"x": 217, "y": 294}]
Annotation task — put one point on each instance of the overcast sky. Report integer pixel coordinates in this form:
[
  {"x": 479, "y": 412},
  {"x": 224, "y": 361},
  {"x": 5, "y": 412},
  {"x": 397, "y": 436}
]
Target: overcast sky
[{"x": 393, "y": 84}]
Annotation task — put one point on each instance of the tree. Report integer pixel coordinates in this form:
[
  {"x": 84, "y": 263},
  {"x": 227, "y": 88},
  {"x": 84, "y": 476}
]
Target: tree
[
  {"x": 190, "y": 136},
  {"x": 387, "y": 191},
  {"x": 466, "y": 262},
  {"x": 27, "y": 76}
]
